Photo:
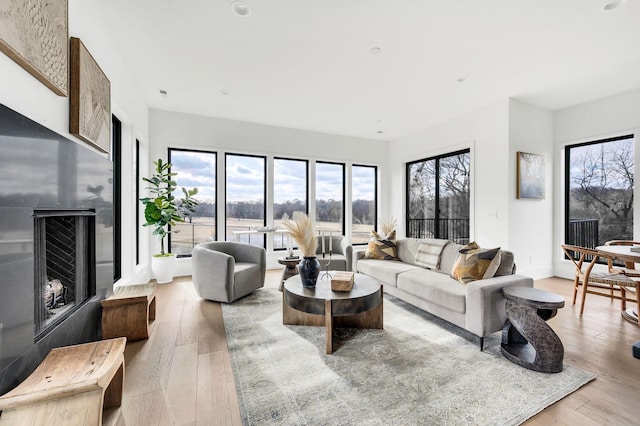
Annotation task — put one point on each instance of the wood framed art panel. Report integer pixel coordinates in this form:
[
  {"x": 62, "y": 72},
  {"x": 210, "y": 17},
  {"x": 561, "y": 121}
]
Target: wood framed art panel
[
  {"x": 530, "y": 176},
  {"x": 89, "y": 99},
  {"x": 35, "y": 33}
]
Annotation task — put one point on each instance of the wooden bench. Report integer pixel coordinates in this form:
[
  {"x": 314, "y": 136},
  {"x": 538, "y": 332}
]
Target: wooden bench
[
  {"x": 72, "y": 386},
  {"x": 129, "y": 312}
]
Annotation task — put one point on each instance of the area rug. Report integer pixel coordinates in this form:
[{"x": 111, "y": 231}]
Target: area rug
[{"x": 414, "y": 372}]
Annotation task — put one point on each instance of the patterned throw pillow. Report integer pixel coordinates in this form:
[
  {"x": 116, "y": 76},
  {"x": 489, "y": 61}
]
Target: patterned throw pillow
[
  {"x": 381, "y": 247},
  {"x": 474, "y": 263}
]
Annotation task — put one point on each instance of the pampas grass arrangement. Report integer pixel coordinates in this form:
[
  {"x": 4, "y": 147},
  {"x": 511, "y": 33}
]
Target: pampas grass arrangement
[
  {"x": 387, "y": 226},
  {"x": 301, "y": 230}
]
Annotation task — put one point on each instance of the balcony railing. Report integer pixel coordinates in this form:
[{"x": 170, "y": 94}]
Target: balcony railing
[
  {"x": 583, "y": 233},
  {"x": 456, "y": 230}
]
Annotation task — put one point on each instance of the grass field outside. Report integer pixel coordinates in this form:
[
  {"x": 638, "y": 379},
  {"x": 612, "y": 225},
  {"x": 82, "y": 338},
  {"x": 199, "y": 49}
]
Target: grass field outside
[{"x": 201, "y": 229}]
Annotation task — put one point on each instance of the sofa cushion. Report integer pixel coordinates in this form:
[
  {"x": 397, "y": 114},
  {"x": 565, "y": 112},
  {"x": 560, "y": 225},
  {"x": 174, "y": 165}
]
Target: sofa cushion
[
  {"x": 435, "y": 287},
  {"x": 507, "y": 265},
  {"x": 384, "y": 271},
  {"x": 474, "y": 263},
  {"x": 381, "y": 247}
]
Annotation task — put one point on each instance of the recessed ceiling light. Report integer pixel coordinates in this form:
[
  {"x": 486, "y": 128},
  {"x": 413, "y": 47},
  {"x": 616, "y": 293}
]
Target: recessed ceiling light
[
  {"x": 380, "y": 131},
  {"x": 225, "y": 92},
  {"x": 163, "y": 92},
  {"x": 375, "y": 50},
  {"x": 461, "y": 79},
  {"x": 240, "y": 8},
  {"x": 614, "y": 4}
]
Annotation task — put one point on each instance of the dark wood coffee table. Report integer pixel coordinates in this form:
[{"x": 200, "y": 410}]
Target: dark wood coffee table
[
  {"x": 527, "y": 340},
  {"x": 359, "y": 308}
]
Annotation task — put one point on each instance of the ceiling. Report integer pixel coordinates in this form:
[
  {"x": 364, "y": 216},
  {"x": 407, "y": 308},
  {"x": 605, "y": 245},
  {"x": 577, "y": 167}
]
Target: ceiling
[{"x": 308, "y": 64}]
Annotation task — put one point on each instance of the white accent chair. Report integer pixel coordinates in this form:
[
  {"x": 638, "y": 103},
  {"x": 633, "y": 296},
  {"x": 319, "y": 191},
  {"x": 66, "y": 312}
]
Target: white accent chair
[{"x": 225, "y": 271}]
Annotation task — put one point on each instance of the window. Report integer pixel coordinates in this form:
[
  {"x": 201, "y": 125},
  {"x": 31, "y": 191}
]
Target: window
[
  {"x": 330, "y": 197},
  {"x": 137, "y": 203},
  {"x": 438, "y": 197},
  {"x": 195, "y": 169},
  {"x": 364, "y": 203},
  {"x": 290, "y": 193},
  {"x": 599, "y": 191},
  {"x": 245, "y": 197},
  {"x": 116, "y": 150}
]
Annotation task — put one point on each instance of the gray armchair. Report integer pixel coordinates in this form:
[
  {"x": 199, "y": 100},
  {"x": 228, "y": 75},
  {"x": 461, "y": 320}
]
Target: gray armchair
[
  {"x": 226, "y": 271},
  {"x": 341, "y": 255}
]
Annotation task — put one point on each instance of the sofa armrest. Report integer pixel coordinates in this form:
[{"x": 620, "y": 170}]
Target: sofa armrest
[
  {"x": 357, "y": 255},
  {"x": 347, "y": 251},
  {"x": 486, "y": 305},
  {"x": 212, "y": 273}
]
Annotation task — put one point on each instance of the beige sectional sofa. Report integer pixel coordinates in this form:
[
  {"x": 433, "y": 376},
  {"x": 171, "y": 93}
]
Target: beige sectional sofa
[{"x": 477, "y": 307}]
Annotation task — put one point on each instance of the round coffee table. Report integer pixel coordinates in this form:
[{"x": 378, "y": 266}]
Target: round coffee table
[
  {"x": 359, "y": 308},
  {"x": 290, "y": 268},
  {"x": 527, "y": 340}
]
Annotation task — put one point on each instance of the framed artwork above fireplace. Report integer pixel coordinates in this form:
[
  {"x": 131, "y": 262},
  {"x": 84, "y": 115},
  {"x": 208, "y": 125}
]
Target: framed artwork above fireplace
[
  {"x": 89, "y": 99},
  {"x": 34, "y": 34}
]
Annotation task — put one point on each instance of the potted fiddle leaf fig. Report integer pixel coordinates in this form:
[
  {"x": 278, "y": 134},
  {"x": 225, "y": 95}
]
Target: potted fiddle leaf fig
[{"x": 163, "y": 209}]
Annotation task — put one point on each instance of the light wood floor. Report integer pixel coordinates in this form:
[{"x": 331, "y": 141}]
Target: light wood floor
[{"x": 182, "y": 374}]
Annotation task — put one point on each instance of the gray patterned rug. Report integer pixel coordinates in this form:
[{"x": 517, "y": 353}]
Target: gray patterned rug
[{"x": 414, "y": 372}]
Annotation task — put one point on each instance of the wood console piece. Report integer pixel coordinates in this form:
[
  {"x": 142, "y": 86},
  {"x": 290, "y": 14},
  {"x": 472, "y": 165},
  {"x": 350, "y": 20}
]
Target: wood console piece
[
  {"x": 129, "y": 312},
  {"x": 72, "y": 386}
]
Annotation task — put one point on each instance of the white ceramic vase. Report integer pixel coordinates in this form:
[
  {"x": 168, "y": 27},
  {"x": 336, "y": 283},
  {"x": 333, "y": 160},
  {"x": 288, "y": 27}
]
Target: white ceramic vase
[{"x": 163, "y": 268}]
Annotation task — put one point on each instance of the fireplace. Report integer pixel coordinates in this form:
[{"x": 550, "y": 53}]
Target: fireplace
[
  {"x": 64, "y": 261},
  {"x": 49, "y": 181}
]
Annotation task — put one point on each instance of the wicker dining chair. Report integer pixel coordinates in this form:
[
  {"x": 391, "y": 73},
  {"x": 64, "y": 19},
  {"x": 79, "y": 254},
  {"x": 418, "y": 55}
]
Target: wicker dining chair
[{"x": 613, "y": 285}]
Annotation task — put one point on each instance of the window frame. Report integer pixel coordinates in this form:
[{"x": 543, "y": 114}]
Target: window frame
[
  {"x": 567, "y": 176},
  {"x": 116, "y": 158},
  {"x": 264, "y": 195},
  {"x": 169, "y": 150},
  {"x": 344, "y": 188},
  {"x": 307, "y": 169},
  {"x": 375, "y": 199},
  {"x": 437, "y": 159}
]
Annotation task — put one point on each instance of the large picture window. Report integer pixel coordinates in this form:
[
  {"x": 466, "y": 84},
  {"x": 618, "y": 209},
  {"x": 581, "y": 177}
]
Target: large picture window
[
  {"x": 599, "y": 191},
  {"x": 438, "y": 197},
  {"x": 330, "y": 197},
  {"x": 245, "y": 197},
  {"x": 195, "y": 169},
  {"x": 290, "y": 194},
  {"x": 364, "y": 202}
]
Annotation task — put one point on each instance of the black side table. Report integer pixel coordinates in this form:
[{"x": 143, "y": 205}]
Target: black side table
[{"x": 527, "y": 340}]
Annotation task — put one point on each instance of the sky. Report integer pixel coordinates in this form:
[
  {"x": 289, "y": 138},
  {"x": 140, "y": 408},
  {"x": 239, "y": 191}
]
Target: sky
[{"x": 245, "y": 178}]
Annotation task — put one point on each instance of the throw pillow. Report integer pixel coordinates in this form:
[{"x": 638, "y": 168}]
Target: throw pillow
[
  {"x": 381, "y": 247},
  {"x": 474, "y": 263}
]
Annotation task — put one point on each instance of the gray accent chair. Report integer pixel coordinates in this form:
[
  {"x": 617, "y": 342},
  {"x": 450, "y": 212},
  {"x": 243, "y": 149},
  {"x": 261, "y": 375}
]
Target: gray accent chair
[
  {"x": 341, "y": 255},
  {"x": 225, "y": 271}
]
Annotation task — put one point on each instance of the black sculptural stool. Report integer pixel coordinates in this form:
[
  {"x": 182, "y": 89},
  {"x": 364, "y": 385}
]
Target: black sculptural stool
[{"x": 527, "y": 340}]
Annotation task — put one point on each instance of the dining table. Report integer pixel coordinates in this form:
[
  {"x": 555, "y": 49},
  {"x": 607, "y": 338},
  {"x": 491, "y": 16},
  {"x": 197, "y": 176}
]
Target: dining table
[{"x": 626, "y": 254}]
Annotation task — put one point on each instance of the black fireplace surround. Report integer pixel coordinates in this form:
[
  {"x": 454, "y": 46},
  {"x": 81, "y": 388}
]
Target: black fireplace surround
[{"x": 44, "y": 174}]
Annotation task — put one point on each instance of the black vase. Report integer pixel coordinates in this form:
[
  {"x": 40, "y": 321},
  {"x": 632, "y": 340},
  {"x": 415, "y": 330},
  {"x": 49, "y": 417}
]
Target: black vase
[{"x": 309, "y": 268}]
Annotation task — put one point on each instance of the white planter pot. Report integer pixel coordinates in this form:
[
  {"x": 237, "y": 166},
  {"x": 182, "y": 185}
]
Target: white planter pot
[{"x": 163, "y": 268}]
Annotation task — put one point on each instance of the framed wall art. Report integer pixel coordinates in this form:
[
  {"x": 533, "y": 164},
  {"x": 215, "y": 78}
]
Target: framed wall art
[
  {"x": 530, "y": 176},
  {"x": 89, "y": 99},
  {"x": 34, "y": 34}
]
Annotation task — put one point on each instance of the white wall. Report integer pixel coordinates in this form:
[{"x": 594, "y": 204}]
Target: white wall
[
  {"x": 531, "y": 221},
  {"x": 23, "y": 93},
  {"x": 616, "y": 115},
  {"x": 177, "y": 130},
  {"x": 485, "y": 132}
]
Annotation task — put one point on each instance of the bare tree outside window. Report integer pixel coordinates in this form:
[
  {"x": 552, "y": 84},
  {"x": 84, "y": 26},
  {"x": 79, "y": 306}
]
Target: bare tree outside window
[{"x": 599, "y": 180}]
